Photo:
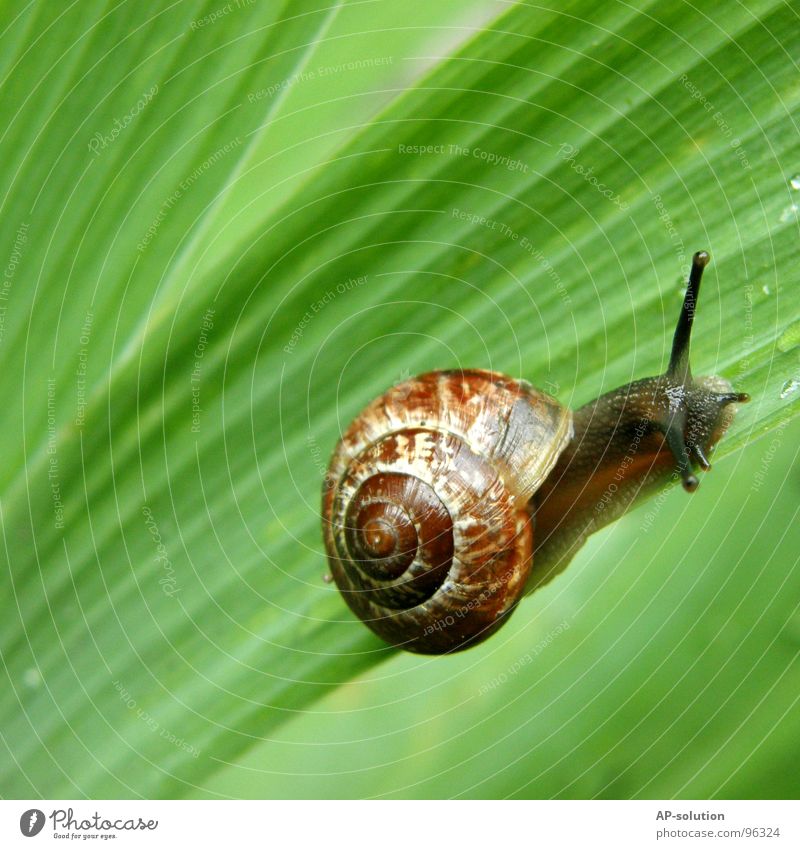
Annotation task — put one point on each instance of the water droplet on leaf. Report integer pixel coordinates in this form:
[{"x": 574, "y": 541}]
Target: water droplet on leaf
[{"x": 789, "y": 388}]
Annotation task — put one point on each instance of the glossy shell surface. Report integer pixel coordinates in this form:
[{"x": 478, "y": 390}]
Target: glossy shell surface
[{"x": 425, "y": 505}]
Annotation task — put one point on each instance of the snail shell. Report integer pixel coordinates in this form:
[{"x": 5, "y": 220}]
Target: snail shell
[{"x": 426, "y": 516}]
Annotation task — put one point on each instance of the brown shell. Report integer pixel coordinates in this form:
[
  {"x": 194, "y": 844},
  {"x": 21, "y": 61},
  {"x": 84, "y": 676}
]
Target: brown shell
[{"x": 425, "y": 505}]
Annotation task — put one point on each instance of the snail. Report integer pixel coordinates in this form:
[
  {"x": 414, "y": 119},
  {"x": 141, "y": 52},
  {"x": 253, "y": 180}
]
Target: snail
[{"x": 456, "y": 493}]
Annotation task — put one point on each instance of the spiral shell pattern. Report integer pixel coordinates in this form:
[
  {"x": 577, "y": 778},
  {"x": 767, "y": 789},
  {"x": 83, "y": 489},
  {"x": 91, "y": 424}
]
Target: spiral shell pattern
[{"x": 425, "y": 505}]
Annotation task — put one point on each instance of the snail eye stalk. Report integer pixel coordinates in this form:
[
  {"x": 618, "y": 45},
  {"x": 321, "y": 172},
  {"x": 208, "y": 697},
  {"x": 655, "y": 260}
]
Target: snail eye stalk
[
  {"x": 688, "y": 403},
  {"x": 679, "y": 369}
]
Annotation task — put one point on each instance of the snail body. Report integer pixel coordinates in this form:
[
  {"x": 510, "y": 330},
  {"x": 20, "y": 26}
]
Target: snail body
[{"x": 457, "y": 492}]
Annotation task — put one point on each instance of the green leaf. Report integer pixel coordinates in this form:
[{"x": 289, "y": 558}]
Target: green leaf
[{"x": 225, "y": 229}]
